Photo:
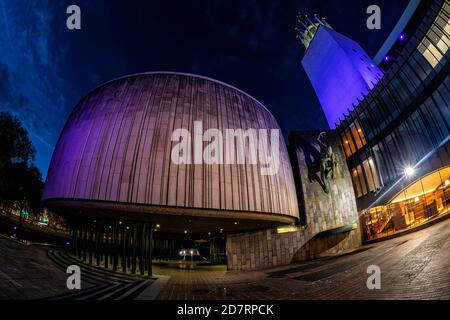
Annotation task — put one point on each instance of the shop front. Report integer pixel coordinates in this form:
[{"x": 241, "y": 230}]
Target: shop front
[{"x": 420, "y": 202}]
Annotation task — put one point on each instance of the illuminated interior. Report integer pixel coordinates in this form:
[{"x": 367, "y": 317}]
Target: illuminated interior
[
  {"x": 421, "y": 201},
  {"x": 365, "y": 178},
  {"x": 353, "y": 139}
]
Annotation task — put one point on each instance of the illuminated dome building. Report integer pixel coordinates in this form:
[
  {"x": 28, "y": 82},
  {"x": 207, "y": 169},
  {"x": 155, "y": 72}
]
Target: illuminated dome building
[{"x": 113, "y": 178}]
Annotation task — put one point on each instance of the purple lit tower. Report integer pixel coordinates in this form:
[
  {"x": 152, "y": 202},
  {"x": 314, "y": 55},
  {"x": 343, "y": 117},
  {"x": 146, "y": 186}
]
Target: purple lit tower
[{"x": 340, "y": 71}]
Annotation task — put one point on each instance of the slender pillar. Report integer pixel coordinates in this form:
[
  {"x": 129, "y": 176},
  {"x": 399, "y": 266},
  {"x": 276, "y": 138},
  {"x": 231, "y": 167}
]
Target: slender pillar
[
  {"x": 106, "y": 247},
  {"x": 91, "y": 241},
  {"x": 123, "y": 239},
  {"x": 128, "y": 245},
  {"x": 98, "y": 234},
  {"x": 79, "y": 238},
  {"x": 142, "y": 249},
  {"x": 149, "y": 250},
  {"x": 114, "y": 245},
  {"x": 84, "y": 233},
  {"x": 74, "y": 238},
  {"x": 133, "y": 258},
  {"x": 145, "y": 244}
]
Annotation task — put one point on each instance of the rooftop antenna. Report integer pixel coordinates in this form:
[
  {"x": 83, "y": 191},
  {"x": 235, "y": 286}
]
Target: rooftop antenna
[{"x": 308, "y": 27}]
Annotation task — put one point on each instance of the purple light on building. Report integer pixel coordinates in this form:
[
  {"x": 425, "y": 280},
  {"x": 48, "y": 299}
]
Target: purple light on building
[
  {"x": 340, "y": 72},
  {"x": 100, "y": 161},
  {"x": 387, "y": 58},
  {"x": 402, "y": 37}
]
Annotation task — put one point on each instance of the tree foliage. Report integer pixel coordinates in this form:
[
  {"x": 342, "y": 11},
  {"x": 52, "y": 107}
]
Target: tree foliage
[
  {"x": 15, "y": 146},
  {"x": 20, "y": 181}
]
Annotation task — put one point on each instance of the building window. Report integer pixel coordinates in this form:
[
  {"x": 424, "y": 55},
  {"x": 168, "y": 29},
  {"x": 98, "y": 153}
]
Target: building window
[
  {"x": 373, "y": 180},
  {"x": 358, "y": 182},
  {"x": 353, "y": 139},
  {"x": 348, "y": 143},
  {"x": 365, "y": 178},
  {"x": 430, "y": 52},
  {"x": 435, "y": 45},
  {"x": 358, "y": 134}
]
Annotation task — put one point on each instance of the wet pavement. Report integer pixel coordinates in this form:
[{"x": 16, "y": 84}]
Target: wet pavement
[{"x": 414, "y": 266}]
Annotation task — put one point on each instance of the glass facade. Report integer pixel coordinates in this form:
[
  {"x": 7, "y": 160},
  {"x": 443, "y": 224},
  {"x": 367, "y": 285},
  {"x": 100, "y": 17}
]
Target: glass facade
[
  {"x": 365, "y": 178},
  {"x": 435, "y": 44},
  {"x": 426, "y": 199},
  {"x": 406, "y": 116}
]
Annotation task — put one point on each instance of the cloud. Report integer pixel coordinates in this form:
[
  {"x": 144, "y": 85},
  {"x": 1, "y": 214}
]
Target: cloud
[
  {"x": 5, "y": 85},
  {"x": 31, "y": 83}
]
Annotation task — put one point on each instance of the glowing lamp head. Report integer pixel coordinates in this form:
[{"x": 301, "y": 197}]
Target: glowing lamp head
[
  {"x": 402, "y": 37},
  {"x": 409, "y": 171}
]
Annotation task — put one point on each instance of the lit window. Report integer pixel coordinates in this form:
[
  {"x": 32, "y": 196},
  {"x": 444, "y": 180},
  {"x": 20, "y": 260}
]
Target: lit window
[
  {"x": 348, "y": 144},
  {"x": 365, "y": 178},
  {"x": 353, "y": 139},
  {"x": 435, "y": 45},
  {"x": 356, "y": 183},
  {"x": 358, "y": 135},
  {"x": 371, "y": 172},
  {"x": 359, "y": 182}
]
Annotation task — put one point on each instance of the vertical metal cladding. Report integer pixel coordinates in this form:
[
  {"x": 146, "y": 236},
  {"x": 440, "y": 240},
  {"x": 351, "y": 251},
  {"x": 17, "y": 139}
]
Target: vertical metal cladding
[{"x": 116, "y": 146}]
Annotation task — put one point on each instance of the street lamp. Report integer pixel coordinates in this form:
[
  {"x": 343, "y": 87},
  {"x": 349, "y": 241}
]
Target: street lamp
[{"x": 409, "y": 171}]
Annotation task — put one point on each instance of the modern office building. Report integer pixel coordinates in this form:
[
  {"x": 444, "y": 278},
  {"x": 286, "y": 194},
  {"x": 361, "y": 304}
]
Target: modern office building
[{"x": 396, "y": 137}]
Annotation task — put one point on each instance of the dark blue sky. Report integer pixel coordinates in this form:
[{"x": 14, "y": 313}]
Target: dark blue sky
[{"x": 46, "y": 69}]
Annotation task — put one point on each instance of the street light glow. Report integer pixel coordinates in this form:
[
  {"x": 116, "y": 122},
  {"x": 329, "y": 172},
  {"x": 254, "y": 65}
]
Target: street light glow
[{"x": 409, "y": 171}]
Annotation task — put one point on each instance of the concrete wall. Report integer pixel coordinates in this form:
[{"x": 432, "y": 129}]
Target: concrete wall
[
  {"x": 340, "y": 72},
  {"x": 322, "y": 212}
]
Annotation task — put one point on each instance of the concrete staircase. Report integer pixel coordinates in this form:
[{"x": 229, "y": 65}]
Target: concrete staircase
[{"x": 98, "y": 283}]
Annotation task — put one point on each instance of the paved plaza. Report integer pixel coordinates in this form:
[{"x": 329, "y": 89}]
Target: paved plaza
[{"x": 414, "y": 266}]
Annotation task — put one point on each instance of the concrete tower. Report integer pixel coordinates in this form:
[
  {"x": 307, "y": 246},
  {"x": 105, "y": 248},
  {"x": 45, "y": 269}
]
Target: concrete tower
[{"x": 340, "y": 70}]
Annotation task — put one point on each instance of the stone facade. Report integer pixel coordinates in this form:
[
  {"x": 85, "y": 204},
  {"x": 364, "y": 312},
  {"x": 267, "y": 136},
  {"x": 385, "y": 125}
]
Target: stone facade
[{"x": 322, "y": 216}]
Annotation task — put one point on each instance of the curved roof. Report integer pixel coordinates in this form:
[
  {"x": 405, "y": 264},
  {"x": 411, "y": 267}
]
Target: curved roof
[
  {"x": 114, "y": 155},
  {"x": 187, "y": 74}
]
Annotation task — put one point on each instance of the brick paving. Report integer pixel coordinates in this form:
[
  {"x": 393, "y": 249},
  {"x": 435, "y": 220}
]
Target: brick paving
[
  {"x": 414, "y": 266},
  {"x": 27, "y": 273}
]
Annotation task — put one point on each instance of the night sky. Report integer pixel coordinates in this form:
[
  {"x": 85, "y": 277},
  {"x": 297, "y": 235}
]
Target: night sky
[{"x": 45, "y": 69}]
